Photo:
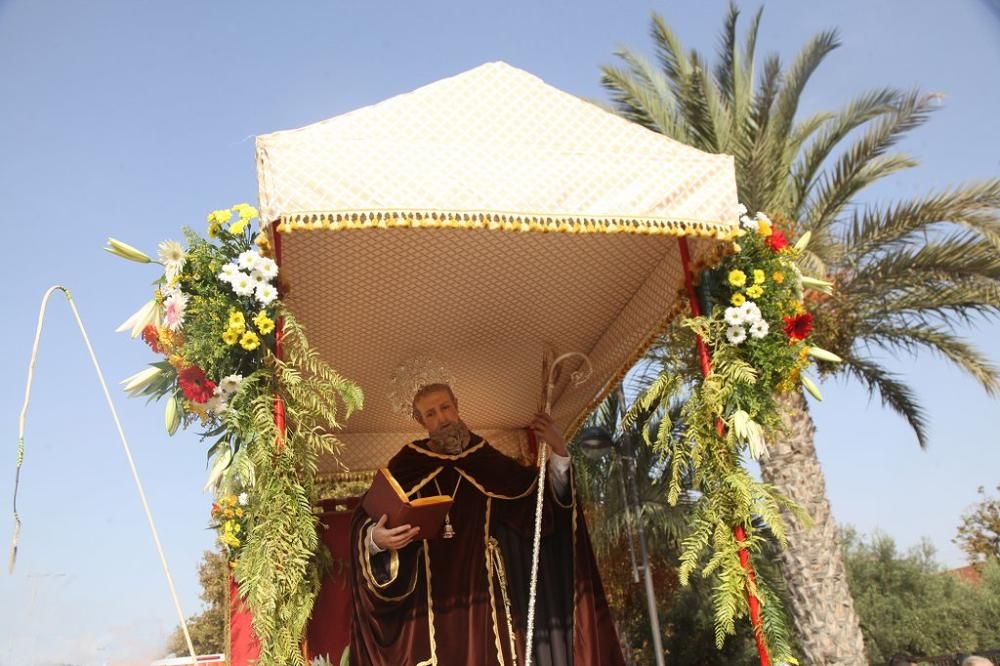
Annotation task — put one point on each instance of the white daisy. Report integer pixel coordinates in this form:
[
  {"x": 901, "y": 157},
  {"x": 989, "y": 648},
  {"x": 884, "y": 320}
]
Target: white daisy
[
  {"x": 228, "y": 272},
  {"x": 172, "y": 256},
  {"x": 243, "y": 499},
  {"x": 736, "y": 334},
  {"x": 741, "y": 210},
  {"x": 248, "y": 260},
  {"x": 170, "y": 290},
  {"x": 242, "y": 284},
  {"x": 750, "y": 312},
  {"x": 258, "y": 278},
  {"x": 230, "y": 384},
  {"x": 759, "y": 329},
  {"x": 267, "y": 267},
  {"x": 266, "y": 293},
  {"x": 173, "y": 310},
  {"x": 734, "y": 316}
]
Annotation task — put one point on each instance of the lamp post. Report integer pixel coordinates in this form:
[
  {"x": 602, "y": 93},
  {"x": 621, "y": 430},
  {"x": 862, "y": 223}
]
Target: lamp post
[{"x": 594, "y": 442}]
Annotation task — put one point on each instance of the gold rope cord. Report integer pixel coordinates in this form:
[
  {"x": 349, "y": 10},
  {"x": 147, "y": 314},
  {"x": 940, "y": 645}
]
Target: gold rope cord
[{"x": 497, "y": 563}]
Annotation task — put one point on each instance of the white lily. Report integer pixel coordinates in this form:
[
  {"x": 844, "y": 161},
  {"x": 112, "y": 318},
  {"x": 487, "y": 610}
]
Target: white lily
[
  {"x": 135, "y": 384},
  {"x": 126, "y": 251},
  {"x": 811, "y": 387},
  {"x": 149, "y": 313},
  {"x": 751, "y": 432},
  {"x": 221, "y": 463},
  {"x": 802, "y": 242},
  {"x": 824, "y": 355},
  {"x": 172, "y": 415},
  {"x": 817, "y": 285}
]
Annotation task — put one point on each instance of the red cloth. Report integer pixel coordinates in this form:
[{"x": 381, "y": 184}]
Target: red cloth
[
  {"x": 329, "y": 630},
  {"x": 243, "y": 645}
]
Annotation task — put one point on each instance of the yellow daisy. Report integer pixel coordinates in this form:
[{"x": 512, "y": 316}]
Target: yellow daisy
[
  {"x": 755, "y": 291},
  {"x": 264, "y": 323},
  {"x": 759, "y": 275},
  {"x": 249, "y": 341},
  {"x": 738, "y": 299},
  {"x": 737, "y": 278},
  {"x": 237, "y": 227},
  {"x": 231, "y": 336}
]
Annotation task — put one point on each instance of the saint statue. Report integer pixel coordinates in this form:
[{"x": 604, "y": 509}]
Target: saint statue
[{"x": 461, "y": 597}]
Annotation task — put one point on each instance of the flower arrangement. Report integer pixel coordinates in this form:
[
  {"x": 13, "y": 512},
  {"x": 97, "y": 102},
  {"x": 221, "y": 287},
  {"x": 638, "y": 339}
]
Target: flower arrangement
[
  {"x": 214, "y": 321},
  {"x": 230, "y": 517},
  {"x": 757, "y": 333},
  {"x": 211, "y": 317},
  {"x": 758, "y": 292}
]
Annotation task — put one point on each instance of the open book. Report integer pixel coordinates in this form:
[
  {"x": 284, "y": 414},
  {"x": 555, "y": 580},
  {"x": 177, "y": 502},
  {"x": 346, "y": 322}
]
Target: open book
[{"x": 387, "y": 496}]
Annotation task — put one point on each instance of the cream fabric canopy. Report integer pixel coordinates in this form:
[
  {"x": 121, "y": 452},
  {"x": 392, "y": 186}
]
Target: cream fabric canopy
[{"x": 480, "y": 220}]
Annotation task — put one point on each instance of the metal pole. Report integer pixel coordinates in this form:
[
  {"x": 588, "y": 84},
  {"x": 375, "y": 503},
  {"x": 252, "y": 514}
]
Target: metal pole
[
  {"x": 654, "y": 617},
  {"x": 629, "y": 524}
]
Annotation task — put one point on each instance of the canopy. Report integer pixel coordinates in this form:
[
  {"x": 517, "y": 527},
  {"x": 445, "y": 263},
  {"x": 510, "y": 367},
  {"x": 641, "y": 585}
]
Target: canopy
[{"x": 483, "y": 220}]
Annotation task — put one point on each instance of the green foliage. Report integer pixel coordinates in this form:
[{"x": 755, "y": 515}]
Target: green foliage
[
  {"x": 277, "y": 569},
  {"x": 707, "y": 465},
  {"x": 207, "y": 628},
  {"x": 907, "y": 603},
  {"x": 223, "y": 370},
  {"x": 686, "y": 613},
  {"x": 979, "y": 533}
]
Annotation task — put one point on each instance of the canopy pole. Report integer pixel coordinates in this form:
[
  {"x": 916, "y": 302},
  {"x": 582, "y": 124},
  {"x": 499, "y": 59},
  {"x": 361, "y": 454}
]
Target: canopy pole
[{"x": 738, "y": 531}]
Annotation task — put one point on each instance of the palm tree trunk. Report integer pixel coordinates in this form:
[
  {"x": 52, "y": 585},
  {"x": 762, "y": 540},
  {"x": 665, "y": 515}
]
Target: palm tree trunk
[{"x": 813, "y": 566}]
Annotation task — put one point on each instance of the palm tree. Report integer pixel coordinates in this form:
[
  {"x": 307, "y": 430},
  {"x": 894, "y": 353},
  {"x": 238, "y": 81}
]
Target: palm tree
[{"x": 903, "y": 272}]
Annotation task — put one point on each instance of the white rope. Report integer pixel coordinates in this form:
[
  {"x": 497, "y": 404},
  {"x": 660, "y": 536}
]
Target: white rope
[
  {"x": 577, "y": 378},
  {"x": 121, "y": 433}
]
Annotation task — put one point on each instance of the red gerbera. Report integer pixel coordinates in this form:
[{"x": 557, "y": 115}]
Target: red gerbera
[
  {"x": 799, "y": 327},
  {"x": 777, "y": 241},
  {"x": 195, "y": 385},
  {"x": 151, "y": 337}
]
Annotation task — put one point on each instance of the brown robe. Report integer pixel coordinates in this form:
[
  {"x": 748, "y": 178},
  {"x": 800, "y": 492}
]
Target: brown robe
[{"x": 464, "y": 600}]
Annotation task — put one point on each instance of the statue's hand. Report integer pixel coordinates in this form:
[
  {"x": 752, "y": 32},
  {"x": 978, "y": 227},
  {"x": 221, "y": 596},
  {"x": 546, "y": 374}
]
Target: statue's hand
[
  {"x": 545, "y": 428},
  {"x": 394, "y": 538}
]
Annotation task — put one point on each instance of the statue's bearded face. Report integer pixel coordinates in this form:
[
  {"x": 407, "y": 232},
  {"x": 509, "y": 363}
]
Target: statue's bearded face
[{"x": 437, "y": 412}]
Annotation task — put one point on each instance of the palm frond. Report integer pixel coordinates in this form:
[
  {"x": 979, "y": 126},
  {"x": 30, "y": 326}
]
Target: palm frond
[
  {"x": 975, "y": 206},
  {"x": 858, "y": 111},
  {"x": 866, "y": 161},
  {"x": 805, "y": 64},
  {"x": 669, "y": 52},
  {"x": 913, "y": 336},
  {"x": 640, "y": 94},
  {"x": 702, "y": 111},
  {"x": 944, "y": 302},
  {"x": 893, "y": 392},
  {"x": 767, "y": 93},
  {"x": 728, "y": 57},
  {"x": 952, "y": 257}
]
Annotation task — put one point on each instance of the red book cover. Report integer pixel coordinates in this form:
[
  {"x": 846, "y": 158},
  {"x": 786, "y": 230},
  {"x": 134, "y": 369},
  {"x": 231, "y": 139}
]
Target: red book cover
[{"x": 386, "y": 496}]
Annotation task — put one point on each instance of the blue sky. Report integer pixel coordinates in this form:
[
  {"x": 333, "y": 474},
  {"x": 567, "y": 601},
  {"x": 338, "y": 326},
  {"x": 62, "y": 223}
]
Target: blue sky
[{"x": 131, "y": 119}]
